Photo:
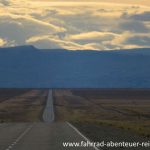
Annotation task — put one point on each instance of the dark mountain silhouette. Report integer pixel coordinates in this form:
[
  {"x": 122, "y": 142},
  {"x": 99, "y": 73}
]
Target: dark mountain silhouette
[{"x": 28, "y": 67}]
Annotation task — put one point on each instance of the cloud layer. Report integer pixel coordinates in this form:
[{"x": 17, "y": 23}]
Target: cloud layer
[{"x": 75, "y": 26}]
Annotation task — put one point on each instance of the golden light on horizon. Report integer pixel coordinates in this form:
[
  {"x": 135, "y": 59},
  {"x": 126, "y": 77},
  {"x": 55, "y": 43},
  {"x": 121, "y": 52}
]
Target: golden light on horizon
[{"x": 128, "y": 2}]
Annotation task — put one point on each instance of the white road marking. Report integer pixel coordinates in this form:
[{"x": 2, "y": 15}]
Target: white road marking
[
  {"x": 19, "y": 138},
  {"x": 84, "y": 137}
]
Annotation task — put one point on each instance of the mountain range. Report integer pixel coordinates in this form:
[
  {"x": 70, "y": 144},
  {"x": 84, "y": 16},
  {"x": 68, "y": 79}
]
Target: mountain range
[{"x": 29, "y": 67}]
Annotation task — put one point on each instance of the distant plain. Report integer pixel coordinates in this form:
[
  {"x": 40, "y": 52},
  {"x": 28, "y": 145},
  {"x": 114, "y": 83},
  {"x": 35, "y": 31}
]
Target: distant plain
[
  {"x": 100, "y": 114},
  {"x": 90, "y": 110}
]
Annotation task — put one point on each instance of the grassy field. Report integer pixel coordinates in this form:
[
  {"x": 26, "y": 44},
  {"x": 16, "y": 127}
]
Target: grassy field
[
  {"x": 93, "y": 111},
  {"x": 21, "y": 105}
]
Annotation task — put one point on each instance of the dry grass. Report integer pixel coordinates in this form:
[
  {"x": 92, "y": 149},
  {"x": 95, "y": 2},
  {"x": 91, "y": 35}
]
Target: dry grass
[
  {"x": 21, "y": 105},
  {"x": 124, "y": 109}
]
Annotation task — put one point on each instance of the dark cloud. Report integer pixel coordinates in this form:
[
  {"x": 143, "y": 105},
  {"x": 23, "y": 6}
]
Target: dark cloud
[
  {"x": 138, "y": 40},
  {"x": 134, "y": 26},
  {"x": 5, "y": 2},
  {"x": 145, "y": 16}
]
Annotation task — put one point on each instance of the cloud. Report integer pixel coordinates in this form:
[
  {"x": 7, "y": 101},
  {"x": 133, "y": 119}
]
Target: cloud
[
  {"x": 144, "y": 16},
  {"x": 5, "y": 2},
  {"x": 74, "y": 25},
  {"x": 140, "y": 40},
  {"x": 44, "y": 41},
  {"x": 133, "y": 26},
  {"x": 2, "y": 42},
  {"x": 55, "y": 42},
  {"x": 95, "y": 39},
  {"x": 91, "y": 36},
  {"x": 19, "y": 28},
  {"x": 128, "y": 40}
]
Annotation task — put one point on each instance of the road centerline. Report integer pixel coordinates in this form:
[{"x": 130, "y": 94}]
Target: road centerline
[
  {"x": 48, "y": 114},
  {"x": 19, "y": 137}
]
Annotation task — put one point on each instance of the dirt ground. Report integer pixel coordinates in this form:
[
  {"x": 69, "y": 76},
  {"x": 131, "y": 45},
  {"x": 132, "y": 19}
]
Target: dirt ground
[
  {"x": 21, "y": 105},
  {"x": 121, "y": 113}
]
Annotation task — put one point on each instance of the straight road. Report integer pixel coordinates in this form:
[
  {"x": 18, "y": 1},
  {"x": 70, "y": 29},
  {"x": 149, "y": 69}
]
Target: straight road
[
  {"x": 48, "y": 114},
  {"x": 39, "y": 136},
  {"x": 9, "y": 133}
]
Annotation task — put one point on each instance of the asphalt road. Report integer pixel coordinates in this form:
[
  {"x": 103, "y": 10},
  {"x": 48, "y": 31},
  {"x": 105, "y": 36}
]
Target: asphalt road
[
  {"x": 48, "y": 114},
  {"x": 38, "y": 136}
]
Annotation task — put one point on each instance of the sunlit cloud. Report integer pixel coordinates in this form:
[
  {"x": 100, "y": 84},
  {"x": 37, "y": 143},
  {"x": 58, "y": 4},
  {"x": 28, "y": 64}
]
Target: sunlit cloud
[
  {"x": 2, "y": 42},
  {"x": 56, "y": 43},
  {"x": 74, "y": 26},
  {"x": 91, "y": 36}
]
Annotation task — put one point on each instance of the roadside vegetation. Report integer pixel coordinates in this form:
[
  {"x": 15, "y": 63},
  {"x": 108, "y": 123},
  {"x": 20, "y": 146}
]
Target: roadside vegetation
[
  {"x": 123, "y": 111},
  {"x": 21, "y": 105}
]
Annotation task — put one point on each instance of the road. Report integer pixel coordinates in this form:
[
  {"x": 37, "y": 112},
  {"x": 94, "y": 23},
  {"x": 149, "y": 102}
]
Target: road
[
  {"x": 48, "y": 114},
  {"x": 38, "y": 136}
]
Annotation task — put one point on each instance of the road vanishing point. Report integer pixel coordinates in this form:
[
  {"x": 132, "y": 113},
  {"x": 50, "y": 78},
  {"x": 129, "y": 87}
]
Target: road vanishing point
[{"x": 47, "y": 135}]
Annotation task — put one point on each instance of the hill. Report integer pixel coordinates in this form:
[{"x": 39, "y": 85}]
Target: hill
[{"x": 26, "y": 66}]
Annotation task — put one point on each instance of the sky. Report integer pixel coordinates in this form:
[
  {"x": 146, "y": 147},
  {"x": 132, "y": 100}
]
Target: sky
[
  {"x": 137, "y": 2},
  {"x": 96, "y": 25}
]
